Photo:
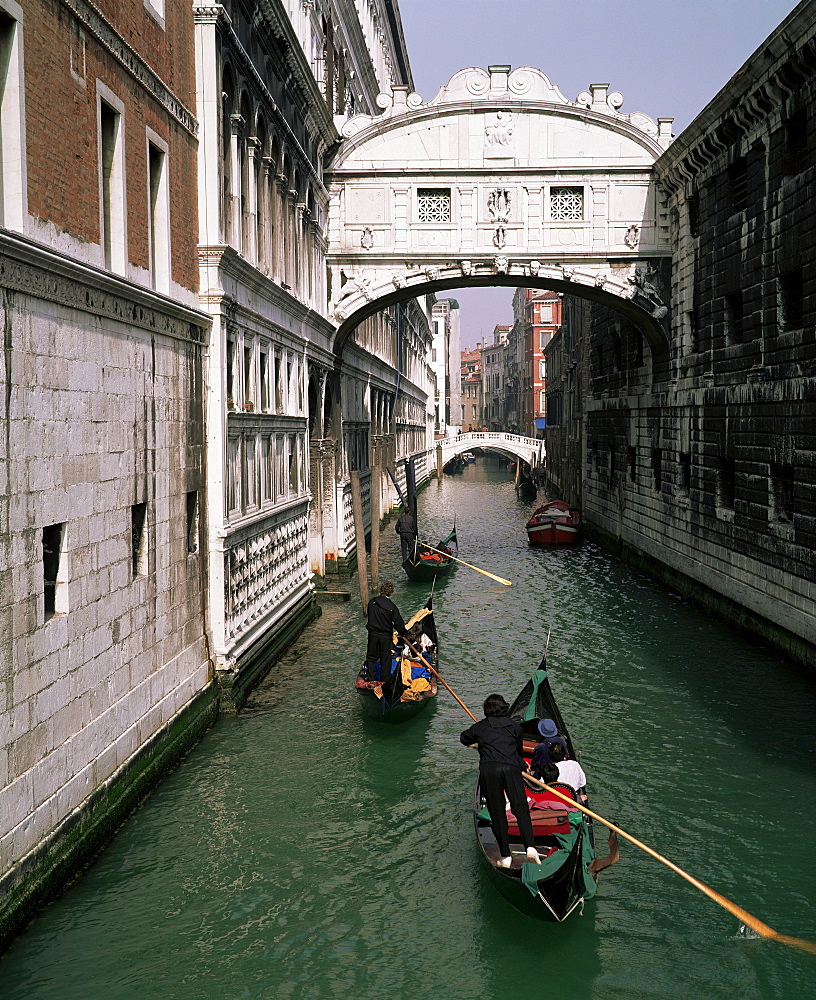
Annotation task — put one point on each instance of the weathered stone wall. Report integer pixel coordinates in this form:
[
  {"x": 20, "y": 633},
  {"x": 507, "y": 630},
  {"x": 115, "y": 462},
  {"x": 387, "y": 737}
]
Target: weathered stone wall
[
  {"x": 102, "y": 642},
  {"x": 708, "y": 478}
]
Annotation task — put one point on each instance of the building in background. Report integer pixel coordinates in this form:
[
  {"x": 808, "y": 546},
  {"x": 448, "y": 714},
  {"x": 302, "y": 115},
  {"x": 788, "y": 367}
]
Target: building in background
[
  {"x": 471, "y": 388},
  {"x": 537, "y": 316},
  {"x": 445, "y": 365},
  {"x": 493, "y": 368}
]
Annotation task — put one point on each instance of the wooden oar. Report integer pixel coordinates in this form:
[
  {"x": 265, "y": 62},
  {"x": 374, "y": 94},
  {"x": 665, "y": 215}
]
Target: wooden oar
[
  {"x": 750, "y": 921},
  {"x": 498, "y": 579},
  {"x": 756, "y": 925},
  {"x": 438, "y": 676}
]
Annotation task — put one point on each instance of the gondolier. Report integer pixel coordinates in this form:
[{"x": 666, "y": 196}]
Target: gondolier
[
  {"x": 499, "y": 740},
  {"x": 406, "y": 528},
  {"x": 384, "y": 619}
]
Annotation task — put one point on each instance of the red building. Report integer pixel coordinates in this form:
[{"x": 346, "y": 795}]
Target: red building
[{"x": 537, "y": 317}]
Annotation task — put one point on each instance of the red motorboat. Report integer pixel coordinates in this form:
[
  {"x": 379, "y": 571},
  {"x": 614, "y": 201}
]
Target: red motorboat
[{"x": 556, "y": 523}]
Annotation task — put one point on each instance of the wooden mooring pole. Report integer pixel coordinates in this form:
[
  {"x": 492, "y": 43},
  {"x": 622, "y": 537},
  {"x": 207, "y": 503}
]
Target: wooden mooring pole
[
  {"x": 376, "y": 493},
  {"x": 439, "y": 462},
  {"x": 359, "y": 534}
]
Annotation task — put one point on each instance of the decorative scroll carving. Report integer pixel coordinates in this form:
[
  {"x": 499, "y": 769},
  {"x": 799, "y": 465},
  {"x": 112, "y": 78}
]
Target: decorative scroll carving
[
  {"x": 500, "y": 238},
  {"x": 367, "y": 239},
  {"x": 632, "y": 237}
]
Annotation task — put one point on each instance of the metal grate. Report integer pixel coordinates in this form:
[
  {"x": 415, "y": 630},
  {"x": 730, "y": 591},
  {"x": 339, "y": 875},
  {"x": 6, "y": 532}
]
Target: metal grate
[
  {"x": 434, "y": 205},
  {"x": 567, "y": 204}
]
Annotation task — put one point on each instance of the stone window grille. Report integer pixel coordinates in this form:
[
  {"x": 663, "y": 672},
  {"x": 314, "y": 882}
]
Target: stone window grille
[
  {"x": 566, "y": 204},
  {"x": 684, "y": 462},
  {"x": 433, "y": 205},
  {"x": 791, "y": 286},
  {"x": 192, "y": 522},
  {"x": 631, "y": 462},
  {"x": 657, "y": 468},
  {"x": 738, "y": 184}
]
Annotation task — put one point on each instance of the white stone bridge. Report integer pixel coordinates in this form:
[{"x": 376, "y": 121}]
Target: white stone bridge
[
  {"x": 500, "y": 180},
  {"x": 530, "y": 450}
]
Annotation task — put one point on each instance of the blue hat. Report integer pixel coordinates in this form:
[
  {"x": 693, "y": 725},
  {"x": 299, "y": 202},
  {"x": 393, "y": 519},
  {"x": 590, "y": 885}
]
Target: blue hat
[{"x": 547, "y": 727}]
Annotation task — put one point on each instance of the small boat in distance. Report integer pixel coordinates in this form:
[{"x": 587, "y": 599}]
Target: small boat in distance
[
  {"x": 468, "y": 456},
  {"x": 424, "y": 564},
  {"x": 409, "y": 686},
  {"x": 564, "y": 836},
  {"x": 554, "y": 523}
]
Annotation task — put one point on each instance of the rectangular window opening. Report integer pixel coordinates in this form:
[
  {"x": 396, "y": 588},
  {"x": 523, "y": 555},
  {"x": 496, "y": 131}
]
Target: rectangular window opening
[
  {"x": 192, "y": 521},
  {"x": 138, "y": 541},
  {"x": 631, "y": 462},
  {"x": 248, "y": 402},
  {"x": 782, "y": 483},
  {"x": 158, "y": 219},
  {"x": 112, "y": 191},
  {"x": 694, "y": 215},
  {"x": 657, "y": 468},
  {"x": 726, "y": 482},
  {"x": 54, "y": 588},
  {"x": 791, "y": 286},
  {"x": 735, "y": 330},
  {"x": 230, "y": 373},
  {"x": 684, "y": 462},
  {"x": 738, "y": 184},
  {"x": 796, "y": 143},
  {"x": 13, "y": 199},
  {"x": 264, "y": 372}
]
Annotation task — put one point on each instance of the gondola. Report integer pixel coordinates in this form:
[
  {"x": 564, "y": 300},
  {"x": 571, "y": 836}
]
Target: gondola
[
  {"x": 410, "y": 686},
  {"x": 564, "y": 836},
  {"x": 424, "y": 564},
  {"x": 527, "y": 489}
]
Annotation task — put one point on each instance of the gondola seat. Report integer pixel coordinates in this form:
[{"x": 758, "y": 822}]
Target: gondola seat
[{"x": 544, "y": 822}]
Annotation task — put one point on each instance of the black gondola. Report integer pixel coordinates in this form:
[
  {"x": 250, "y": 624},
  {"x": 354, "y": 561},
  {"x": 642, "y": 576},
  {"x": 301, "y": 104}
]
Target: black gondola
[
  {"x": 564, "y": 836},
  {"x": 425, "y": 564},
  {"x": 409, "y": 686}
]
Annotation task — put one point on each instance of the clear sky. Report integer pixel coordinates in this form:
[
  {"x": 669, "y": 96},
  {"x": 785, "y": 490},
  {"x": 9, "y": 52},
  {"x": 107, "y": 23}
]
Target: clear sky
[{"x": 667, "y": 57}]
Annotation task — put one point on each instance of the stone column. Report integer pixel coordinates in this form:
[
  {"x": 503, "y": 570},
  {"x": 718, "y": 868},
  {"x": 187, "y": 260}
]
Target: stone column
[
  {"x": 237, "y": 126},
  {"x": 251, "y": 248}
]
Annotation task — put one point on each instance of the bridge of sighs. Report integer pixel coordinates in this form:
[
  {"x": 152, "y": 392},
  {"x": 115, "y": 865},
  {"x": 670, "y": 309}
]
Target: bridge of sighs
[{"x": 500, "y": 180}]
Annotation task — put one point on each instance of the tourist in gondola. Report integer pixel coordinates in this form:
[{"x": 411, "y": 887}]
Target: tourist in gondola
[
  {"x": 569, "y": 771},
  {"x": 384, "y": 619},
  {"x": 406, "y": 528},
  {"x": 499, "y": 740},
  {"x": 549, "y": 736}
]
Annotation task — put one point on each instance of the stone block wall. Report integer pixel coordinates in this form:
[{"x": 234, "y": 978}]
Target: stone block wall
[
  {"x": 708, "y": 478},
  {"x": 102, "y": 543}
]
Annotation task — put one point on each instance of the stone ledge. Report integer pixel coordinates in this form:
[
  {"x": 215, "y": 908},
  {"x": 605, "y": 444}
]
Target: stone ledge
[
  {"x": 44, "y": 873},
  {"x": 256, "y": 662}
]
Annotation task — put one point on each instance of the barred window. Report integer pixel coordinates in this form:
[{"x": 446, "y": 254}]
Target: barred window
[
  {"x": 434, "y": 204},
  {"x": 566, "y": 204}
]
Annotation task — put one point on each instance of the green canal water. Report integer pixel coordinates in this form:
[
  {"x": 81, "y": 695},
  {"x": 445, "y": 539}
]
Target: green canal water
[{"x": 303, "y": 851}]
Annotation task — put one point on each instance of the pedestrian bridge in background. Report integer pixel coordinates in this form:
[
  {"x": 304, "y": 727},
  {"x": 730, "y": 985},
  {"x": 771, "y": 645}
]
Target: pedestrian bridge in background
[{"x": 530, "y": 450}]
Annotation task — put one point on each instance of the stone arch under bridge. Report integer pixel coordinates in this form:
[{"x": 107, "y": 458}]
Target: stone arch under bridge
[{"x": 500, "y": 180}]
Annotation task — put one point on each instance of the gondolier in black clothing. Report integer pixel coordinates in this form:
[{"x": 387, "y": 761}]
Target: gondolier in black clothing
[
  {"x": 384, "y": 619},
  {"x": 500, "y": 742},
  {"x": 406, "y": 528}
]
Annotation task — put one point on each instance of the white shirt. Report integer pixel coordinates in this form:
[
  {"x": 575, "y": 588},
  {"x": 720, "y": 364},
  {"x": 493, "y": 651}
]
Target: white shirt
[{"x": 571, "y": 772}]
